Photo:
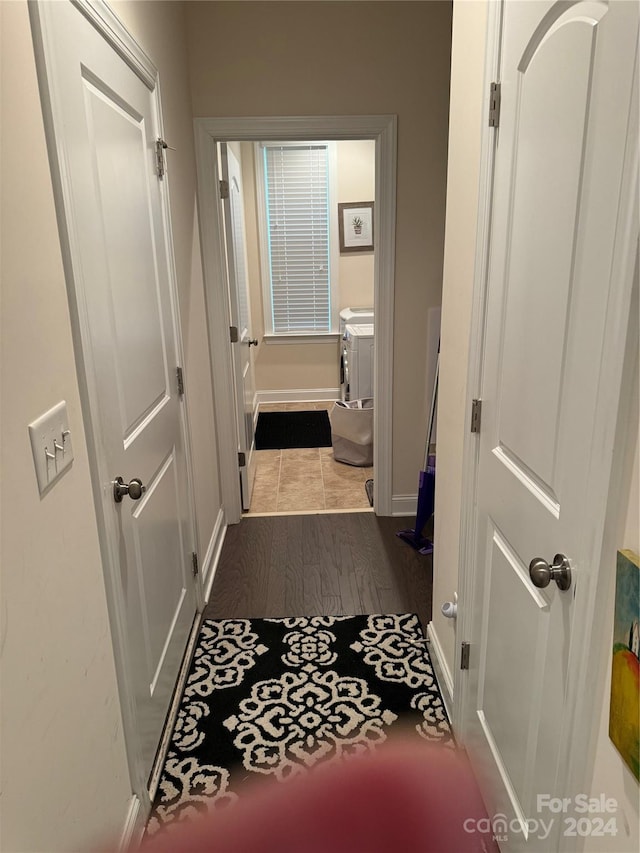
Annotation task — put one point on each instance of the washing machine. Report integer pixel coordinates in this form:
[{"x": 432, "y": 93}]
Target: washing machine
[
  {"x": 354, "y": 315},
  {"x": 349, "y": 316},
  {"x": 357, "y": 361}
]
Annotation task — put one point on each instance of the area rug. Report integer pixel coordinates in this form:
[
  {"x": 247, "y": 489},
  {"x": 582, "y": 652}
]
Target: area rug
[
  {"x": 274, "y": 697},
  {"x": 284, "y": 430}
]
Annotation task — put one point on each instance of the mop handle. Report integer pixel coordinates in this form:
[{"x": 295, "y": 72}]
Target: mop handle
[{"x": 432, "y": 415}]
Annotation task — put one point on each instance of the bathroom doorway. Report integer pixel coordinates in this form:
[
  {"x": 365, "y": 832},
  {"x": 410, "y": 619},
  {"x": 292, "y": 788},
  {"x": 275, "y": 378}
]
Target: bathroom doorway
[
  {"x": 298, "y": 224},
  {"x": 380, "y": 135}
]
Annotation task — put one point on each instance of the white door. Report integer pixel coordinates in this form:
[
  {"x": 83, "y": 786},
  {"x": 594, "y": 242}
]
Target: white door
[
  {"x": 245, "y": 387},
  {"x": 566, "y": 73},
  {"x": 105, "y": 124}
]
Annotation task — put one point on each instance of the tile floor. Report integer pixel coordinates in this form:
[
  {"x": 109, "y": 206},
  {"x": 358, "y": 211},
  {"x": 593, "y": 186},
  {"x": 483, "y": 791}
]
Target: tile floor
[{"x": 305, "y": 479}]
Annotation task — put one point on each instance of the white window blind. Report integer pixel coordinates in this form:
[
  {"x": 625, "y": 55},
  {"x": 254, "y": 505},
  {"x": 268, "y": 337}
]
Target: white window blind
[{"x": 297, "y": 202}]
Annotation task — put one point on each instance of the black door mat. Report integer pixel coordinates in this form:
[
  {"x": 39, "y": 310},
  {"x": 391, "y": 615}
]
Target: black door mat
[{"x": 284, "y": 430}]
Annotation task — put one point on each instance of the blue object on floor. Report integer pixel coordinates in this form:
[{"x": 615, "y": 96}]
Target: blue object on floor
[
  {"x": 426, "y": 500},
  {"x": 426, "y": 487}
]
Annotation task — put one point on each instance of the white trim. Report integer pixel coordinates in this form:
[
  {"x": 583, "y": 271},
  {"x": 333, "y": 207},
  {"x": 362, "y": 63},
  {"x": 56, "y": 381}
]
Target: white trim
[
  {"x": 174, "y": 707},
  {"x": 133, "y": 828},
  {"x": 304, "y": 395},
  {"x": 183, "y": 400},
  {"x": 218, "y": 311},
  {"x": 263, "y": 250},
  {"x": 470, "y": 454},
  {"x": 322, "y": 338},
  {"x": 403, "y": 504},
  {"x": 441, "y": 670},
  {"x": 209, "y": 131},
  {"x": 111, "y": 28},
  {"x": 384, "y": 276},
  {"x": 212, "y": 557},
  {"x": 334, "y": 239},
  {"x": 276, "y": 128},
  {"x": 336, "y": 511}
]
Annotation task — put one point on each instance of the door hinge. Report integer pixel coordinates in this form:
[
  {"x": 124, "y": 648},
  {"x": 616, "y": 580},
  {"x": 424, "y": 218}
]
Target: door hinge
[
  {"x": 224, "y": 189},
  {"x": 180, "y": 378},
  {"x": 194, "y": 564},
  {"x": 242, "y": 459},
  {"x": 161, "y": 145},
  {"x": 494, "y": 105},
  {"x": 233, "y": 334},
  {"x": 464, "y": 655},
  {"x": 476, "y": 415}
]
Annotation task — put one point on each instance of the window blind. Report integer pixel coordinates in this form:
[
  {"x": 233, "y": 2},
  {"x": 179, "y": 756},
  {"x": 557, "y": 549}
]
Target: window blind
[{"x": 297, "y": 199}]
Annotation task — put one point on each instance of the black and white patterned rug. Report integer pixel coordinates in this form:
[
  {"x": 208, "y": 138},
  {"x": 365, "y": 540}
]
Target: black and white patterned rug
[{"x": 274, "y": 697}]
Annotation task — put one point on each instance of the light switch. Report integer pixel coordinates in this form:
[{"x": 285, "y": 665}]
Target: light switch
[{"x": 51, "y": 444}]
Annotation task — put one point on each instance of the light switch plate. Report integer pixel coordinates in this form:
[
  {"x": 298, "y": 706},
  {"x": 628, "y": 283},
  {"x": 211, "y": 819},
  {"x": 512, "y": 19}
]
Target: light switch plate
[{"x": 51, "y": 445}]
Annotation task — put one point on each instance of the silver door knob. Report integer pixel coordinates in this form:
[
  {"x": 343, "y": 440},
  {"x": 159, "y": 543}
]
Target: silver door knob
[
  {"x": 252, "y": 343},
  {"x": 134, "y": 489},
  {"x": 541, "y": 573}
]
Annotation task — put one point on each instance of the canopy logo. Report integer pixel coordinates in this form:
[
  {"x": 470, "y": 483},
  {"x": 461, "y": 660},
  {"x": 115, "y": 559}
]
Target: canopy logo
[{"x": 566, "y": 811}]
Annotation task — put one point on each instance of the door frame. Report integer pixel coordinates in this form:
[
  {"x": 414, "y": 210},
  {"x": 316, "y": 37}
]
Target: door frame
[
  {"x": 209, "y": 131},
  {"x": 111, "y": 28},
  {"x": 226, "y": 159},
  {"x": 582, "y": 718}
]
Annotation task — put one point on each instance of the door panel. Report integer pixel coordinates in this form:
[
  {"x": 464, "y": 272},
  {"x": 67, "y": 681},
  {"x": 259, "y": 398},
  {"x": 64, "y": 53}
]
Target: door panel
[
  {"x": 550, "y": 112},
  {"x": 121, "y": 169},
  {"x": 559, "y": 157},
  {"x": 521, "y": 612},
  {"x": 240, "y": 317},
  {"x": 105, "y": 125},
  {"x": 158, "y": 545}
]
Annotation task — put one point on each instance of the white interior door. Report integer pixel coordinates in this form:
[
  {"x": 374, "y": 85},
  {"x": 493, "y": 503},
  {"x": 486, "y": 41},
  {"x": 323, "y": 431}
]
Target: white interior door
[
  {"x": 105, "y": 124},
  {"x": 566, "y": 73},
  {"x": 245, "y": 386}
]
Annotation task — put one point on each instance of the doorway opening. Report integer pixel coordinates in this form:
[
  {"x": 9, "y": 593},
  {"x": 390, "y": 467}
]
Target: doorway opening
[
  {"x": 300, "y": 256},
  {"x": 237, "y": 410}
]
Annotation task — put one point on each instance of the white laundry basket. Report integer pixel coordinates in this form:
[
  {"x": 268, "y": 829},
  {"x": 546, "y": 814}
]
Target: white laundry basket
[{"x": 352, "y": 431}]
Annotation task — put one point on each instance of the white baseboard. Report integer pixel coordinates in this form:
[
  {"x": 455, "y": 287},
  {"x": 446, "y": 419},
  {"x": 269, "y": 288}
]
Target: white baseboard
[
  {"x": 309, "y": 395},
  {"x": 443, "y": 674},
  {"x": 404, "y": 504},
  {"x": 133, "y": 827},
  {"x": 163, "y": 746},
  {"x": 211, "y": 558}
]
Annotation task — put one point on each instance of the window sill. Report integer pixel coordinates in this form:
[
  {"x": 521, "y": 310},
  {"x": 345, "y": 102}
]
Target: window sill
[{"x": 324, "y": 338}]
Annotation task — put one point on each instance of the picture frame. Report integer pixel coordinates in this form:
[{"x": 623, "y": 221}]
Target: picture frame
[{"x": 355, "y": 224}]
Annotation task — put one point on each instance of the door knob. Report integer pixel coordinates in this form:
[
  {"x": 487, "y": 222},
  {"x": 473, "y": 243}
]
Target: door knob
[
  {"x": 541, "y": 573},
  {"x": 134, "y": 489},
  {"x": 252, "y": 343}
]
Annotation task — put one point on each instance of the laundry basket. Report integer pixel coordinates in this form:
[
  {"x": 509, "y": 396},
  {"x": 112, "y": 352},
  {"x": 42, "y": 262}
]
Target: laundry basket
[{"x": 352, "y": 431}]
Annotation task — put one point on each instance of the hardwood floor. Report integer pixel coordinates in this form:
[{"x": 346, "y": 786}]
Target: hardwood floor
[{"x": 313, "y": 565}]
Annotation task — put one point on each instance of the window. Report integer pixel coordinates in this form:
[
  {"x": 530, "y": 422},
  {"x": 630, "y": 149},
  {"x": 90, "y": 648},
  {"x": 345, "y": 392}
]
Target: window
[{"x": 298, "y": 242}]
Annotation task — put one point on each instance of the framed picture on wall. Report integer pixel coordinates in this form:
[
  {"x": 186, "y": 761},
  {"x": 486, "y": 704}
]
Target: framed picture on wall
[{"x": 355, "y": 222}]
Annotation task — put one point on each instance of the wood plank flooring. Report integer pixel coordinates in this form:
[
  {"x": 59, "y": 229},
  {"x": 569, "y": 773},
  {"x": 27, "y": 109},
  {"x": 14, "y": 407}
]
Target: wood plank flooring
[{"x": 315, "y": 565}]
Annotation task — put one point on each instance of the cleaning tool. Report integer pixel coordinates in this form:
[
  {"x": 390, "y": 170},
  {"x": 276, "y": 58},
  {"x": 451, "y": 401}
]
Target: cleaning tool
[{"x": 426, "y": 486}]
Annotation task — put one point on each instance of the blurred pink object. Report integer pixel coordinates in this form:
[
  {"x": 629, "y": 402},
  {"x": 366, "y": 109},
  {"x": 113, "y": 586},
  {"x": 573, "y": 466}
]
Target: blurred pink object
[{"x": 403, "y": 799}]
